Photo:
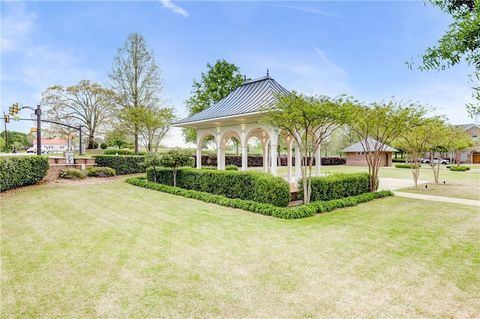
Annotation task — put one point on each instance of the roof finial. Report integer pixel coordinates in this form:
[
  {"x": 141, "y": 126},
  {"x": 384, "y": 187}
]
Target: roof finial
[
  {"x": 268, "y": 73},
  {"x": 244, "y": 78}
]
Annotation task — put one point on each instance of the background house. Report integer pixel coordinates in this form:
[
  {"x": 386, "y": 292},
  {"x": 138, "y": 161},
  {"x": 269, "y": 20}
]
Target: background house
[
  {"x": 471, "y": 155},
  {"x": 356, "y": 154}
]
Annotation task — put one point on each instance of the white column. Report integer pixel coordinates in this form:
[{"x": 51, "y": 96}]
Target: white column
[
  {"x": 199, "y": 156},
  {"x": 289, "y": 163},
  {"x": 273, "y": 159},
  {"x": 265, "y": 158},
  {"x": 298, "y": 164},
  {"x": 318, "y": 162},
  {"x": 244, "y": 157}
]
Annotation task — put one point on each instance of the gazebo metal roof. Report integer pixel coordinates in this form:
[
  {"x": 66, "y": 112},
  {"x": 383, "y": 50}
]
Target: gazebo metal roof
[
  {"x": 358, "y": 147},
  {"x": 251, "y": 97}
]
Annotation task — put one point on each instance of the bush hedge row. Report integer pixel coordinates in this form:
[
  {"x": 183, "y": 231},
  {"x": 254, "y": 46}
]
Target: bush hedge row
[
  {"x": 404, "y": 165},
  {"x": 336, "y": 186},
  {"x": 262, "y": 208},
  {"x": 122, "y": 164},
  {"x": 255, "y": 186},
  {"x": 459, "y": 168},
  {"x": 100, "y": 171},
  {"x": 121, "y": 151},
  {"x": 257, "y": 160},
  {"x": 72, "y": 173},
  {"x": 398, "y": 160},
  {"x": 17, "y": 171}
]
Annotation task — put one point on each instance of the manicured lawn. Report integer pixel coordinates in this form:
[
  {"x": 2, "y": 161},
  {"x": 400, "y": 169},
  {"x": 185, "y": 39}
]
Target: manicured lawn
[
  {"x": 115, "y": 250},
  {"x": 426, "y": 173},
  {"x": 457, "y": 190}
]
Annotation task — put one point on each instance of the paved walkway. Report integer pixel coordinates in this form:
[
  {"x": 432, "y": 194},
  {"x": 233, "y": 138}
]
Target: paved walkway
[
  {"x": 392, "y": 184},
  {"x": 469, "y": 202}
]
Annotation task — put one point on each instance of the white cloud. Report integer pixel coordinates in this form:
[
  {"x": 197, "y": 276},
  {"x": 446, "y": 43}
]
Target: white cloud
[
  {"x": 312, "y": 10},
  {"x": 16, "y": 26},
  {"x": 171, "y": 6}
]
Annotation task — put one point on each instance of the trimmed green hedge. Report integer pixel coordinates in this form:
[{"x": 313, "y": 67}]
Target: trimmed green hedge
[
  {"x": 336, "y": 186},
  {"x": 255, "y": 186},
  {"x": 459, "y": 168},
  {"x": 262, "y": 208},
  {"x": 398, "y": 160},
  {"x": 122, "y": 164},
  {"x": 227, "y": 168},
  {"x": 17, "y": 171},
  {"x": 100, "y": 171},
  {"x": 404, "y": 165}
]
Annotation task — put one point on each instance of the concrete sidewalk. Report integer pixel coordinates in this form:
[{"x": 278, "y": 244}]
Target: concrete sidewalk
[{"x": 469, "y": 202}]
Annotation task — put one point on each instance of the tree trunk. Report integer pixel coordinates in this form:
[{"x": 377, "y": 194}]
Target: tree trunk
[
  {"x": 175, "y": 178},
  {"x": 135, "y": 135},
  {"x": 91, "y": 141}
]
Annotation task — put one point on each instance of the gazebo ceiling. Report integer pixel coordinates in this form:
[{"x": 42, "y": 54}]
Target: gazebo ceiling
[{"x": 243, "y": 105}]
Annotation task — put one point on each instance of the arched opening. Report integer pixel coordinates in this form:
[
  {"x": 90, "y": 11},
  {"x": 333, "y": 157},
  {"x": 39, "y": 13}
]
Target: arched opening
[
  {"x": 257, "y": 142},
  {"x": 206, "y": 145},
  {"x": 230, "y": 144}
]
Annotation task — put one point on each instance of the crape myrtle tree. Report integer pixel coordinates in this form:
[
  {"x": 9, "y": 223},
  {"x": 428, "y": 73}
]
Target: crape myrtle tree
[
  {"x": 86, "y": 103},
  {"x": 309, "y": 120},
  {"x": 135, "y": 78},
  {"x": 174, "y": 159},
  {"x": 415, "y": 143},
  {"x": 383, "y": 122},
  {"x": 461, "y": 42},
  {"x": 220, "y": 80}
]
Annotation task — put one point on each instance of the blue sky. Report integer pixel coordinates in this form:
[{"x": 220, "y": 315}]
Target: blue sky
[{"x": 357, "y": 48}]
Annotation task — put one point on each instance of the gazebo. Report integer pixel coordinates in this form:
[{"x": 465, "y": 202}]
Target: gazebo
[{"x": 237, "y": 115}]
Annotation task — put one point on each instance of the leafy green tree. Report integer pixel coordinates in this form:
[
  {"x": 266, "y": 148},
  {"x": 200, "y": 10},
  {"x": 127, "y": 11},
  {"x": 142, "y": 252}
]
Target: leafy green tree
[
  {"x": 215, "y": 84},
  {"x": 86, "y": 103},
  {"x": 116, "y": 137},
  {"x": 2, "y": 143},
  {"x": 17, "y": 139},
  {"x": 136, "y": 80},
  {"x": 174, "y": 159},
  {"x": 309, "y": 121},
  {"x": 461, "y": 42},
  {"x": 384, "y": 122},
  {"x": 417, "y": 141},
  {"x": 155, "y": 125}
]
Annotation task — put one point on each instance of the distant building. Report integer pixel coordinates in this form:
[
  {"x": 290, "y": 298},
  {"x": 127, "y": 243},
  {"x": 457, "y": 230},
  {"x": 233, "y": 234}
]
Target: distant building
[
  {"x": 471, "y": 155},
  {"x": 51, "y": 145},
  {"x": 356, "y": 154}
]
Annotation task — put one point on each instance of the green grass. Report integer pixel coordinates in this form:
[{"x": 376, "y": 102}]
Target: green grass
[
  {"x": 115, "y": 250},
  {"x": 464, "y": 190},
  {"x": 426, "y": 173}
]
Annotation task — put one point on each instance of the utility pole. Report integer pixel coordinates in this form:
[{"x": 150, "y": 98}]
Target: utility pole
[
  {"x": 5, "y": 131},
  {"x": 80, "y": 151},
  {"x": 38, "y": 113}
]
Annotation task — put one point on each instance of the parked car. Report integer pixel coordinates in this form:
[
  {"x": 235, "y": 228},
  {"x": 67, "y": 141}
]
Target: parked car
[
  {"x": 33, "y": 150},
  {"x": 436, "y": 160}
]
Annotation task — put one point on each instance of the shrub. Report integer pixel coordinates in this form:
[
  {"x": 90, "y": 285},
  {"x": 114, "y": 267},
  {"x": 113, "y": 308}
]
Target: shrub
[
  {"x": 17, "y": 171},
  {"x": 262, "y": 208},
  {"x": 72, "y": 173},
  {"x": 116, "y": 151},
  {"x": 103, "y": 146},
  {"x": 404, "y": 165},
  {"x": 336, "y": 186},
  {"x": 255, "y": 186},
  {"x": 398, "y": 160},
  {"x": 100, "y": 171},
  {"x": 231, "y": 168},
  {"x": 460, "y": 168},
  {"x": 122, "y": 164}
]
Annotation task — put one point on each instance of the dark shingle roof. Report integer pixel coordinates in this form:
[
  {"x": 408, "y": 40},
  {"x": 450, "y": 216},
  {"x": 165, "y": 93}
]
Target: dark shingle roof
[{"x": 250, "y": 97}]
